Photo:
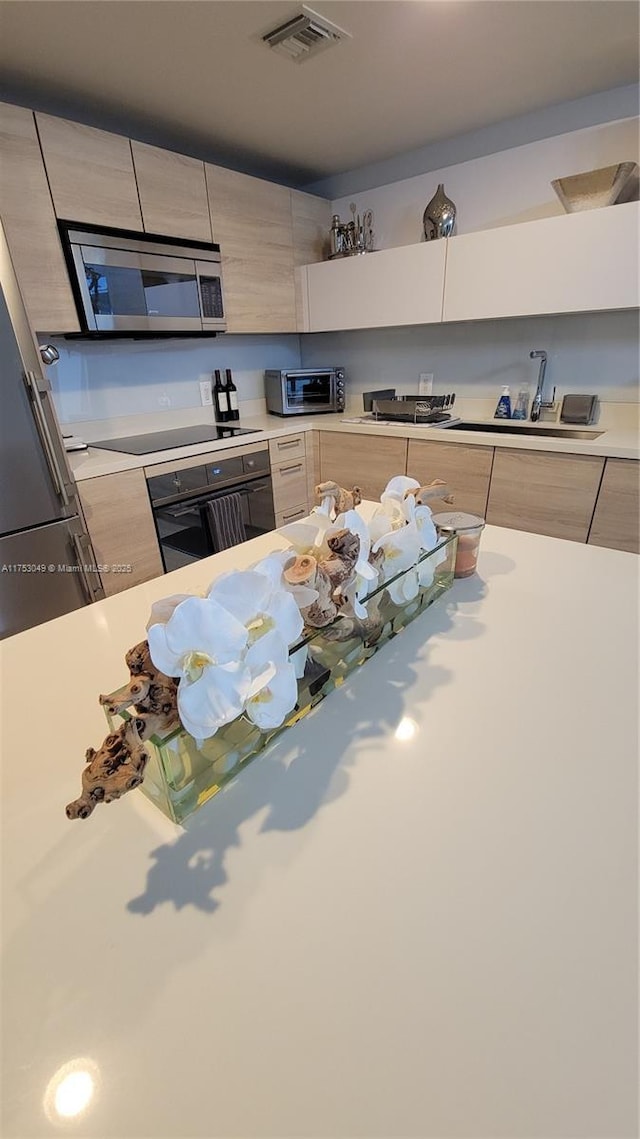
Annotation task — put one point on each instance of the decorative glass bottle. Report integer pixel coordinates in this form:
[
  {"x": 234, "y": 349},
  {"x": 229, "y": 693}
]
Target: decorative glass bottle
[{"x": 440, "y": 216}]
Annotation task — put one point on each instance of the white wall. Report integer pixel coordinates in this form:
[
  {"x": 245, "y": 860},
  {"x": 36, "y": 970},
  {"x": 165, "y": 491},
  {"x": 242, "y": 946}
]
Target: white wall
[
  {"x": 101, "y": 380},
  {"x": 587, "y": 353},
  {"x": 499, "y": 189}
]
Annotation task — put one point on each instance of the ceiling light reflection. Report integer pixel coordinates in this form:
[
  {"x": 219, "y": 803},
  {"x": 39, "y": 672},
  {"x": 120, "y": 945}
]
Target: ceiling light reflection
[
  {"x": 71, "y": 1090},
  {"x": 406, "y": 729}
]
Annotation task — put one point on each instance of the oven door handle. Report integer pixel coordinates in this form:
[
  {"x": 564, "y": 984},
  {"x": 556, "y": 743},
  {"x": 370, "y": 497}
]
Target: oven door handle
[{"x": 196, "y": 503}]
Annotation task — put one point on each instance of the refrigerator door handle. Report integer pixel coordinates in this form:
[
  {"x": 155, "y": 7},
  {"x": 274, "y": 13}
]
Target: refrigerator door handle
[
  {"x": 57, "y": 475},
  {"x": 83, "y": 549}
]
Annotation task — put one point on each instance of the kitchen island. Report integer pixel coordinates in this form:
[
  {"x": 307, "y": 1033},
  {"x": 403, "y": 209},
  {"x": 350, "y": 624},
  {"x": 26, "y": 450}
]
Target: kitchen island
[{"x": 414, "y": 915}]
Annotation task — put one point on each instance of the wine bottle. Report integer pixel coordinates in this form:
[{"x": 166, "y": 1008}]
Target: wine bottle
[
  {"x": 232, "y": 396},
  {"x": 221, "y": 399}
]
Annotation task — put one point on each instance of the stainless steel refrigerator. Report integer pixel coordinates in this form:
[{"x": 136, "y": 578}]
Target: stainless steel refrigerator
[{"x": 46, "y": 557}]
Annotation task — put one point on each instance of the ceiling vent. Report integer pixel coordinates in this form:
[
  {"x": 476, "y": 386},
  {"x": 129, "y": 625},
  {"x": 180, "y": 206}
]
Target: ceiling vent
[{"x": 304, "y": 35}]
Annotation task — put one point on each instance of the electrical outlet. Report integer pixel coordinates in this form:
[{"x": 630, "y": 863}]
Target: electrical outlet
[
  {"x": 164, "y": 401},
  {"x": 425, "y": 385},
  {"x": 206, "y": 395}
]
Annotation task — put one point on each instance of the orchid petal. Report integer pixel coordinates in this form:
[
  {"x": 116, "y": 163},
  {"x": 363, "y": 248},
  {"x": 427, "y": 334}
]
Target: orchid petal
[
  {"x": 269, "y": 707},
  {"x": 286, "y": 616},
  {"x": 242, "y": 593},
  {"x": 404, "y": 589},
  {"x": 216, "y": 698},
  {"x": 398, "y": 486},
  {"x": 163, "y": 658},
  {"x": 162, "y": 610},
  {"x": 299, "y": 661},
  {"x": 302, "y": 535}
]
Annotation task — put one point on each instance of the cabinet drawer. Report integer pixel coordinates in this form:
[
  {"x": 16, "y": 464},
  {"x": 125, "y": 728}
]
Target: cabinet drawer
[
  {"x": 616, "y": 521},
  {"x": 286, "y": 449},
  {"x": 292, "y": 514},
  {"x": 289, "y": 484}
]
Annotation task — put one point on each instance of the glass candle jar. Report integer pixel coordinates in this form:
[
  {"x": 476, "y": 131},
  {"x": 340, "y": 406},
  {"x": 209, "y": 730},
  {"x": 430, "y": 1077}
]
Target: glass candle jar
[{"x": 468, "y": 527}]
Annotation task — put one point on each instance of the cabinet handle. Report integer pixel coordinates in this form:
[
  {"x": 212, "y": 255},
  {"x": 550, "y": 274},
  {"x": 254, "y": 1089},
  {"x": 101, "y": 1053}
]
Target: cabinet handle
[
  {"x": 81, "y": 553},
  {"x": 289, "y": 443},
  {"x": 57, "y": 475},
  {"x": 295, "y": 514},
  {"x": 288, "y": 470}
]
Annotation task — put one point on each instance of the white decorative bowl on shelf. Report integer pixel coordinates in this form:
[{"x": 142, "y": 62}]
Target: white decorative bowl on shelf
[{"x": 594, "y": 188}]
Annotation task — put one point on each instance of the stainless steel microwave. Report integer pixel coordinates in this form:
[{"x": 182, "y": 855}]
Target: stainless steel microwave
[
  {"x": 127, "y": 282},
  {"x": 308, "y": 391}
]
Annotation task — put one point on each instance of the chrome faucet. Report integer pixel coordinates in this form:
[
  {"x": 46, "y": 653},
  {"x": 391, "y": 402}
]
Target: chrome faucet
[{"x": 538, "y": 401}]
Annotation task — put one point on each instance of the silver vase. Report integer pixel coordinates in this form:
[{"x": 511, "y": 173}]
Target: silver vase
[{"x": 440, "y": 216}]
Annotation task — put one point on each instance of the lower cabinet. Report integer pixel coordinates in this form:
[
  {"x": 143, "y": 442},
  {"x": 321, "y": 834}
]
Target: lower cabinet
[
  {"x": 121, "y": 527},
  {"x": 466, "y": 470},
  {"x": 289, "y": 478},
  {"x": 616, "y": 520},
  {"x": 544, "y": 492},
  {"x": 361, "y": 460}
]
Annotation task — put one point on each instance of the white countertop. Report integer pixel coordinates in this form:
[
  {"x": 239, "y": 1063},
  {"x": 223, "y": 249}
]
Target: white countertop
[
  {"x": 617, "y": 442},
  {"x": 363, "y": 936}
]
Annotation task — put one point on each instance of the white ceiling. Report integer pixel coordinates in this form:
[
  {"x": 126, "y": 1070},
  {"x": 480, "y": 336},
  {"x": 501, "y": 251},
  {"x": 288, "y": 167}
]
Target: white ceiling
[{"x": 414, "y": 71}]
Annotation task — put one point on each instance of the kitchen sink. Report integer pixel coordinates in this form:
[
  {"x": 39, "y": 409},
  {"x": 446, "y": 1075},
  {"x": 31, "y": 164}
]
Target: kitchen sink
[{"x": 526, "y": 429}]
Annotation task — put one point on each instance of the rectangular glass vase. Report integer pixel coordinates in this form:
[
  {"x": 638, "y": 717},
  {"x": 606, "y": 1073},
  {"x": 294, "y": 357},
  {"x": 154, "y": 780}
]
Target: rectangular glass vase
[{"x": 182, "y": 775}]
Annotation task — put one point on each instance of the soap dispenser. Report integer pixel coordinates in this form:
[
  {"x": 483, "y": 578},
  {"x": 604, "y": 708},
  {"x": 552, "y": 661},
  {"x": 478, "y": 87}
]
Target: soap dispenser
[{"x": 503, "y": 410}]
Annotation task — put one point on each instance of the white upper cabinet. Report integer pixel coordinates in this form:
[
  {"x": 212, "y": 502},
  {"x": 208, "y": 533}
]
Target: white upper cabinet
[
  {"x": 583, "y": 262},
  {"x": 90, "y": 173},
  {"x": 173, "y": 193},
  {"x": 376, "y": 290}
]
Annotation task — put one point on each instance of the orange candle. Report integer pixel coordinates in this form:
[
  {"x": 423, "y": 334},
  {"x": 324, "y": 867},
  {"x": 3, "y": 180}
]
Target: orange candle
[{"x": 468, "y": 527}]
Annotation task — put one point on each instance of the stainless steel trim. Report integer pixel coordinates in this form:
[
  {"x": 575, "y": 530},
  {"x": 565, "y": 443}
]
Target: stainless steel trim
[
  {"x": 80, "y": 555},
  {"x": 128, "y": 259},
  {"x": 81, "y": 278},
  {"x": 106, "y": 323},
  {"x": 111, "y": 241},
  {"x": 62, "y": 489}
]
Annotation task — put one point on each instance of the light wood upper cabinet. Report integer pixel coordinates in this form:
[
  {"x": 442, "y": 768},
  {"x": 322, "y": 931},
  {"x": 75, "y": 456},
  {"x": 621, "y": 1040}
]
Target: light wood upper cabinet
[
  {"x": 579, "y": 262},
  {"x": 616, "y": 521},
  {"x": 30, "y": 225},
  {"x": 311, "y": 222},
  {"x": 544, "y": 492},
  {"x": 466, "y": 470},
  {"x": 251, "y": 220},
  {"x": 377, "y": 290},
  {"x": 361, "y": 460},
  {"x": 173, "y": 193},
  {"x": 90, "y": 173},
  {"x": 121, "y": 527}
]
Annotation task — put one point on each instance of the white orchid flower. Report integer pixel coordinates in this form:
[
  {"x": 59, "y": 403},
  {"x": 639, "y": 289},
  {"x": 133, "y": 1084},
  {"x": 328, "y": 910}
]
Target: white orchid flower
[
  {"x": 273, "y": 692},
  {"x": 406, "y": 588},
  {"x": 401, "y": 549},
  {"x": 397, "y": 487},
  {"x": 202, "y": 644},
  {"x": 258, "y": 605}
]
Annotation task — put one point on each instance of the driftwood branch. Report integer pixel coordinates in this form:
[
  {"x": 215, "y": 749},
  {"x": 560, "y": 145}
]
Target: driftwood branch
[
  {"x": 118, "y": 765},
  {"x": 343, "y": 500}
]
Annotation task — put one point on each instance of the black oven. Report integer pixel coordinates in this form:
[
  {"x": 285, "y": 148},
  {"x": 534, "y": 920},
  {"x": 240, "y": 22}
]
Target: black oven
[{"x": 180, "y": 502}]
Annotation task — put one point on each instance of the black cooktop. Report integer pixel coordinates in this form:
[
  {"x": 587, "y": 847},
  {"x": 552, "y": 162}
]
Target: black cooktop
[{"x": 179, "y": 437}]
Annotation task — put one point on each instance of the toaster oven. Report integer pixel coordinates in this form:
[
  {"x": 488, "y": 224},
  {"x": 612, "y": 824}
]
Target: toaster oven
[{"x": 307, "y": 391}]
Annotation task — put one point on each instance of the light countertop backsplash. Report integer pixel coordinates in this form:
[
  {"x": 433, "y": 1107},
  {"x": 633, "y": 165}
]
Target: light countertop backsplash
[
  {"x": 106, "y": 380},
  {"x": 107, "y": 388}
]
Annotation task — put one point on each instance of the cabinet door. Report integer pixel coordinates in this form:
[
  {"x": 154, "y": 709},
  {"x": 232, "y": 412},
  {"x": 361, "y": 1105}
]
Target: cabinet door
[
  {"x": 121, "y": 527},
  {"x": 582, "y": 262},
  {"x": 90, "y": 173},
  {"x": 251, "y": 220},
  {"x": 466, "y": 470},
  {"x": 311, "y": 221},
  {"x": 616, "y": 521},
  {"x": 391, "y": 287},
  {"x": 30, "y": 225},
  {"x": 367, "y": 461},
  {"x": 544, "y": 492},
  {"x": 173, "y": 193}
]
